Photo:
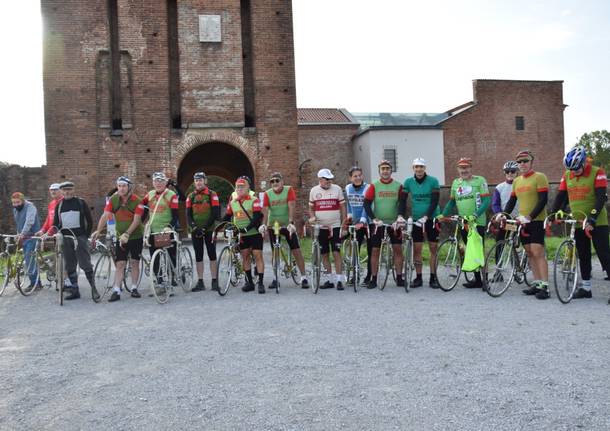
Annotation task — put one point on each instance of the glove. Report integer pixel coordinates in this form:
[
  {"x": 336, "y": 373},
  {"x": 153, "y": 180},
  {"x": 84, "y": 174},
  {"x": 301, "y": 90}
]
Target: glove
[
  {"x": 422, "y": 221},
  {"x": 292, "y": 229},
  {"x": 523, "y": 219},
  {"x": 262, "y": 229},
  {"x": 124, "y": 238},
  {"x": 499, "y": 217}
]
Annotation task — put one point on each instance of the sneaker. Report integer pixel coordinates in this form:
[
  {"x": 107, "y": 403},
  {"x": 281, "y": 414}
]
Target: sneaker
[
  {"x": 327, "y": 285},
  {"x": 473, "y": 284},
  {"x": 339, "y": 285},
  {"x": 73, "y": 293},
  {"x": 114, "y": 297},
  {"x": 215, "y": 284},
  {"x": 248, "y": 287},
  {"x": 305, "y": 284},
  {"x": 261, "y": 287},
  {"x": 372, "y": 284},
  {"x": 135, "y": 293},
  {"x": 543, "y": 293},
  {"x": 198, "y": 287},
  {"x": 531, "y": 291},
  {"x": 417, "y": 282},
  {"x": 434, "y": 284},
  {"x": 582, "y": 293}
]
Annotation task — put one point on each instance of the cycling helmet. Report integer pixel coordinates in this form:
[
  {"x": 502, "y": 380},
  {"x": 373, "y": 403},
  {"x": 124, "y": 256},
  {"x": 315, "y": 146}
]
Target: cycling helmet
[
  {"x": 247, "y": 178},
  {"x": 123, "y": 180},
  {"x": 199, "y": 176},
  {"x": 159, "y": 176},
  {"x": 510, "y": 165},
  {"x": 575, "y": 159},
  {"x": 385, "y": 163},
  {"x": 525, "y": 154}
]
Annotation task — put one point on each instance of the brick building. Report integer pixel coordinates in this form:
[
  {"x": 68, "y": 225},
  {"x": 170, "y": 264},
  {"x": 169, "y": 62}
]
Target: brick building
[{"x": 133, "y": 87}]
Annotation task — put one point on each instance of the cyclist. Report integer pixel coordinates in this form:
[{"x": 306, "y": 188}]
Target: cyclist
[
  {"x": 27, "y": 222},
  {"x": 584, "y": 185},
  {"x": 381, "y": 205},
  {"x": 327, "y": 207},
  {"x": 73, "y": 217},
  {"x": 501, "y": 196},
  {"x": 470, "y": 195},
  {"x": 252, "y": 193},
  {"x": 56, "y": 196},
  {"x": 126, "y": 208},
  {"x": 425, "y": 194},
  {"x": 531, "y": 190},
  {"x": 354, "y": 194},
  {"x": 279, "y": 205},
  {"x": 162, "y": 205},
  {"x": 202, "y": 210},
  {"x": 245, "y": 212}
]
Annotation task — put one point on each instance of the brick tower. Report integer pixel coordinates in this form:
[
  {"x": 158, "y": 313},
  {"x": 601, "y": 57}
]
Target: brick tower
[{"x": 136, "y": 86}]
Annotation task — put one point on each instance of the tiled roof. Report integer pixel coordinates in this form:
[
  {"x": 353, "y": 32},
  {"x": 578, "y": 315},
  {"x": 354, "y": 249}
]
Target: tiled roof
[{"x": 324, "y": 116}]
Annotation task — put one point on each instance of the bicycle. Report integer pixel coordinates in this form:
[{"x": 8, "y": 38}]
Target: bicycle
[
  {"x": 181, "y": 273},
  {"x": 449, "y": 256},
  {"x": 39, "y": 263},
  {"x": 386, "y": 257},
  {"x": 352, "y": 262},
  {"x": 12, "y": 265},
  {"x": 505, "y": 261},
  {"x": 102, "y": 271},
  {"x": 565, "y": 263},
  {"x": 230, "y": 265},
  {"x": 281, "y": 254}
]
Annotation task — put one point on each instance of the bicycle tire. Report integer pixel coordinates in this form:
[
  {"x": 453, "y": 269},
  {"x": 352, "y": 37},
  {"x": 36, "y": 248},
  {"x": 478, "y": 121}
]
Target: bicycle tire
[
  {"x": 408, "y": 263},
  {"x": 356, "y": 265},
  {"x": 315, "y": 268},
  {"x": 498, "y": 274},
  {"x": 225, "y": 270},
  {"x": 448, "y": 264},
  {"x": 59, "y": 270},
  {"x": 386, "y": 263},
  {"x": 161, "y": 282},
  {"x": 22, "y": 275},
  {"x": 565, "y": 271},
  {"x": 185, "y": 278},
  {"x": 347, "y": 258},
  {"x": 525, "y": 273},
  {"x": 4, "y": 271},
  {"x": 127, "y": 275},
  {"x": 102, "y": 273},
  {"x": 275, "y": 265},
  {"x": 294, "y": 270}
]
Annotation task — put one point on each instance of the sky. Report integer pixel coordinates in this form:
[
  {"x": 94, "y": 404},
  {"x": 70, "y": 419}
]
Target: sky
[{"x": 377, "y": 56}]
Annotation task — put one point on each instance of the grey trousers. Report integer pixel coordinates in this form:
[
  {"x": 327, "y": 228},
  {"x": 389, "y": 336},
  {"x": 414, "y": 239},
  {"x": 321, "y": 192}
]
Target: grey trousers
[{"x": 79, "y": 256}]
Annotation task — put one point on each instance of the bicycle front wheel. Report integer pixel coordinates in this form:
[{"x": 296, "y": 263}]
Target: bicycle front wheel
[
  {"x": 292, "y": 266},
  {"x": 226, "y": 270},
  {"x": 355, "y": 264},
  {"x": 448, "y": 264},
  {"x": 386, "y": 264},
  {"x": 161, "y": 281},
  {"x": 185, "y": 269},
  {"x": 275, "y": 265},
  {"x": 4, "y": 271},
  {"x": 24, "y": 284},
  {"x": 408, "y": 265},
  {"x": 565, "y": 271},
  {"x": 315, "y": 268},
  {"x": 524, "y": 275},
  {"x": 499, "y": 268},
  {"x": 59, "y": 280},
  {"x": 103, "y": 276}
]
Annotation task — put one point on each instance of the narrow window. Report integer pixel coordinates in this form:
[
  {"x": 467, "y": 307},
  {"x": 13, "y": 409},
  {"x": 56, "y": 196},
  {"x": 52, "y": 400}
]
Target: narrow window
[
  {"x": 115, "y": 67},
  {"x": 389, "y": 154},
  {"x": 520, "y": 123},
  {"x": 175, "y": 104},
  {"x": 248, "y": 61}
]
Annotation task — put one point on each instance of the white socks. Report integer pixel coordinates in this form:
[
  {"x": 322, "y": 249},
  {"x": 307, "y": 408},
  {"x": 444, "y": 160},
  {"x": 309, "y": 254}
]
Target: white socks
[
  {"x": 586, "y": 285},
  {"x": 117, "y": 290}
]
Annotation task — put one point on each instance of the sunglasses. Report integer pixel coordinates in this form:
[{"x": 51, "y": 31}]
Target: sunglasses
[
  {"x": 510, "y": 171},
  {"x": 523, "y": 161},
  {"x": 274, "y": 181}
]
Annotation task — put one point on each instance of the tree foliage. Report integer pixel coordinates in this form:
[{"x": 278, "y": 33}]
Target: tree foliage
[{"x": 597, "y": 144}]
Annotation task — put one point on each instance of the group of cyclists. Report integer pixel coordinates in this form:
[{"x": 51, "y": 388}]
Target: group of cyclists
[{"x": 376, "y": 210}]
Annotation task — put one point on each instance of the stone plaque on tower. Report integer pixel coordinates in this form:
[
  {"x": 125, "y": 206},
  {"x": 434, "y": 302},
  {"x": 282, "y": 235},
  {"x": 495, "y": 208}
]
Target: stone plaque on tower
[{"x": 210, "y": 28}]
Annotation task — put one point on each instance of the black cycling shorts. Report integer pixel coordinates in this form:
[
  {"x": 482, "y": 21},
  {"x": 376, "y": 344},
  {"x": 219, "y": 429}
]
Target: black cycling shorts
[
  {"x": 431, "y": 232},
  {"x": 533, "y": 233},
  {"x": 328, "y": 240},
  {"x": 132, "y": 249},
  {"x": 255, "y": 242},
  {"x": 198, "y": 243},
  {"x": 292, "y": 240},
  {"x": 378, "y": 232}
]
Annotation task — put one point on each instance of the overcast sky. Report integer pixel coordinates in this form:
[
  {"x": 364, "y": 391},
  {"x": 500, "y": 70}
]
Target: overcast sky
[{"x": 377, "y": 56}]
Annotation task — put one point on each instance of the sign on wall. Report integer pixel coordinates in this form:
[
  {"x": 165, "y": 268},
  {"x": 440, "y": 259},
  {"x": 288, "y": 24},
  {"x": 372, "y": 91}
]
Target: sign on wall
[{"x": 210, "y": 28}]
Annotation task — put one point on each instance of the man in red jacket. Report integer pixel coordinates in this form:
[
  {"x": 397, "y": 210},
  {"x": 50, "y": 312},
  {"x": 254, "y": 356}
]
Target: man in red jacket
[{"x": 56, "y": 197}]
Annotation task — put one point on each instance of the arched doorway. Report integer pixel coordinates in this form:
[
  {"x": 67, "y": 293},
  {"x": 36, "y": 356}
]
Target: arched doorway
[{"x": 221, "y": 162}]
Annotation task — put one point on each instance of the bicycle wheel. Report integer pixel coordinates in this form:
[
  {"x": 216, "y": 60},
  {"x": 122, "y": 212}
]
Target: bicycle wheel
[
  {"x": 127, "y": 275},
  {"x": 565, "y": 270},
  {"x": 59, "y": 270},
  {"x": 292, "y": 268},
  {"x": 386, "y": 264},
  {"x": 355, "y": 264},
  {"x": 408, "y": 264},
  {"x": 103, "y": 276},
  {"x": 524, "y": 275},
  {"x": 448, "y": 264},
  {"x": 275, "y": 265},
  {"x": 23, "y": 282},
  {"x": 161, "y": 281},
  {"x": 499, "y": 269},
  {"x": 185, "y": 270},
  {"x": 347, "y": 254},
  {"x": 225, "y": 270},
  {"x": 315, "y": 267},
  {"x": 47, "y": 265},
  {"x": 4, "y": 271}
]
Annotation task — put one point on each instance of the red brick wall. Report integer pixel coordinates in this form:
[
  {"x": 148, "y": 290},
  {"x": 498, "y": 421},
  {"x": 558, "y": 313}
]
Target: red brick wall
[
  {"x": 30, "y": 181},
  {"x": 488, "y": 135}
]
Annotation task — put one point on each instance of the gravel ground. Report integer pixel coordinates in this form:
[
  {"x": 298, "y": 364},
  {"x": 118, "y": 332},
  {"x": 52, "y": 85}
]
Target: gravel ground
[{"x": 337, "y": 360}]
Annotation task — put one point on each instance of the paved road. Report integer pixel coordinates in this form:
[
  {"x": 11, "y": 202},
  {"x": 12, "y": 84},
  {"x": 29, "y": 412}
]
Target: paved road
[{"x": 337, "y": 360}]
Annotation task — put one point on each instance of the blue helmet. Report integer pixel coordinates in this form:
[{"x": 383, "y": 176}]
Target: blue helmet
[{"x": 575, "y": 159}]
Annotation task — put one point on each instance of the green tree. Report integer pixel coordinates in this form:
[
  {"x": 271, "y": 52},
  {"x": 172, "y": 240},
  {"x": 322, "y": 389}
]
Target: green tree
[{"x": 597, "y": 144}]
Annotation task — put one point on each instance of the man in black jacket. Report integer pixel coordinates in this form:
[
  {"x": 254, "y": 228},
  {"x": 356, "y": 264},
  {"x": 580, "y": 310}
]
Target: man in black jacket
[{"x": 73, "y": 219}]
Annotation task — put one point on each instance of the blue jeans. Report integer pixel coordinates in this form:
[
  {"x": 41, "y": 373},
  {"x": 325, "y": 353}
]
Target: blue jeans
[{"x": 30, "y": 262}]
